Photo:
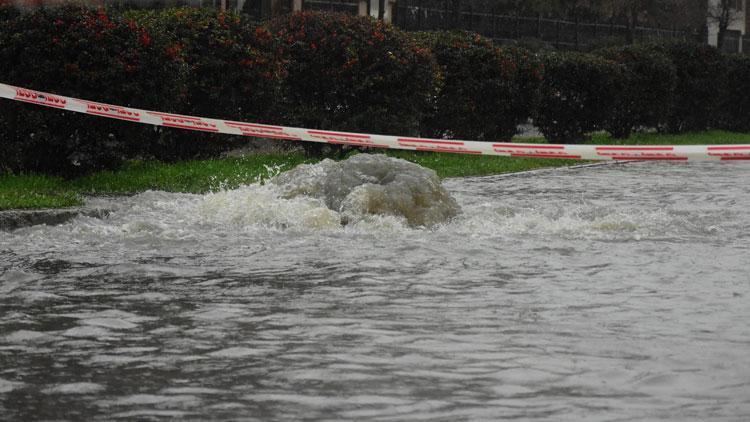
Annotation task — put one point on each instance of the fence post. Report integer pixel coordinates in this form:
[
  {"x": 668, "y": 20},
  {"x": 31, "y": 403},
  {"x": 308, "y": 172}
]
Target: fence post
[
  {"x": 419, "y": 15},
  {"x": 557, "y": 34},
  {"x": 446, "y": 17},
  {"x": 596, "y": 28},
  {"x": 516, "y": 27},
  {"x": 576, "y": 33},
  {"x": 539, "y": 26},
  {"x": 494, "y": 22}
]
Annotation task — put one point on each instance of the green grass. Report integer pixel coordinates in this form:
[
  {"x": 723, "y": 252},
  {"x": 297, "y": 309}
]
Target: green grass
[
  {"x": 189, "y": 176},
  {"x": 23, "y": 192},
  {"x": 35, "y": 191},
  {"x": 702, "y": 138},
  {"x": 458, "y": 165}
]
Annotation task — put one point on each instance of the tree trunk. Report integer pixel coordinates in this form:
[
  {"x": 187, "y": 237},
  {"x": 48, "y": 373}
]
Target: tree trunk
[
  {"x": 632, "y": 24},
  {"x": 721, "y": 36}
]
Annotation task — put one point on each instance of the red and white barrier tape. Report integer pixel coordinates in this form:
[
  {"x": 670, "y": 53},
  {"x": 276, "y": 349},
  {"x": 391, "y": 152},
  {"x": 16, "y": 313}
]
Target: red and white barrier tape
[{"x": 575, "y": 152}]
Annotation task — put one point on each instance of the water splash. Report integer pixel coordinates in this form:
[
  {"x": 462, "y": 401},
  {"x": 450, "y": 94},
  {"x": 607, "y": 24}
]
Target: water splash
[{"x": 369, "y": 184}]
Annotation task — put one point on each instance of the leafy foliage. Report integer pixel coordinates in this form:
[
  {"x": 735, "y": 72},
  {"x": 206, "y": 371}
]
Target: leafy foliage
[
  {"x": 83, "y": 53},
  {"x": 578, "y": 95},
  {"x": 648, "y": 89},
  {"x": 735, "y": 106},
  {"x": 487, "y": 91},
  {"x": 700, "y": 68},
  {"x": 351, "y": 73},
  {"x": 232, "y": 73}
]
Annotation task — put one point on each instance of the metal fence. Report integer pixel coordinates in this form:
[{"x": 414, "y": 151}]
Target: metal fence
[
  {"x": 341, "y": 6},
  {"x": 568, "y": 35},
  {"x": 421, "y": 15}
]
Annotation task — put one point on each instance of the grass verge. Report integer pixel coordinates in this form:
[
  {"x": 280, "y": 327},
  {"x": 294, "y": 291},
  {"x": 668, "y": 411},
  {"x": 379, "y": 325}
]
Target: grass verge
[{"x": 36, "y": 191}]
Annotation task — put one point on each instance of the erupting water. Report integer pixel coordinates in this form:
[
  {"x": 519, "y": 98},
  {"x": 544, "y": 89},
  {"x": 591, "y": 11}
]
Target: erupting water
[{"x": 369, "y": 184}]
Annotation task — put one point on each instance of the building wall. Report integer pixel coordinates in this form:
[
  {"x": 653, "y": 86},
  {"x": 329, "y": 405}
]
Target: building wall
[{"x": 738, "y": 23}]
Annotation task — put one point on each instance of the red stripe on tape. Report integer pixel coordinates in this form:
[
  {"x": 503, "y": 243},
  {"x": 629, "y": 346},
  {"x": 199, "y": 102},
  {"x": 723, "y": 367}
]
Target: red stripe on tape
[
  {"x": 647, "y": 158},
  {"x": 528, "y": 146},
  {"x": 341, "y": 134},
  {"x": 532, "y": 155},
  {"x": 253, "y": 125},
  {"x": 456, "y": 151},
  {"x": 262, "y": 131},
  {"x": 34, "y": 97},
  {"x": 430, "y": 141},
  {"x": 185, "y": 122},
  {"x": 738, "y": 148},
  {"x": 635, "y": 148},
  {"x": 114, "y": 112},
  {"x": 359, "y": 144}
]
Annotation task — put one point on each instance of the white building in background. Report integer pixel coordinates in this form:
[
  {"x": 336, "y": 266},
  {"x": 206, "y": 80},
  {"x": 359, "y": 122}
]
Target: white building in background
[{"x": 739, "y": 22}]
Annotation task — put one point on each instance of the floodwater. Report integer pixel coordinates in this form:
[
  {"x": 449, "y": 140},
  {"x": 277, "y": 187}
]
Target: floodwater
[{"x": 611, "y": 293}]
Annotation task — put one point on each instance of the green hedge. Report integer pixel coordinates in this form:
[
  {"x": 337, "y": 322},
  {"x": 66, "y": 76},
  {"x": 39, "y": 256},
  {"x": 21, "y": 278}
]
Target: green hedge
[
  {"x": 330, "y": 71},
  {"x": 578, "y": 95},
  {"x": 83, "y": 53},
  {"x": 486, "y": 92},
  {"x": 351, "y": 73},
  {"x": 232, "y": 71},
  {"x": 648, "y": 89},
  {"x": 700, "y": 70},
  {"x": 735, "y": 94}
]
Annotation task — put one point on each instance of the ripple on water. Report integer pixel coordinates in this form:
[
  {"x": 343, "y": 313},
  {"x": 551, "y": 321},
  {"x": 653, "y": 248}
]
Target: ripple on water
[
  {"x": 74, "y": 388},
  {"x": 608, "y": 293}
]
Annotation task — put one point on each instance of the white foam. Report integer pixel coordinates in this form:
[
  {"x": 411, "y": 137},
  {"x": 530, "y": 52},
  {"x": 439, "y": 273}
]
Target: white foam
[
  {"x": 8, "y": 386},
  {"x": 237, "y": 352},
  {"x": 74, "y": 388}
]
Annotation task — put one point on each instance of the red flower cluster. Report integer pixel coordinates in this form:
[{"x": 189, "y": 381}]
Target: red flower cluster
[
  {"x": 262, "y": 33},
  {"x": 174, "y": 51},
  {"x": 145, "y": 38}
]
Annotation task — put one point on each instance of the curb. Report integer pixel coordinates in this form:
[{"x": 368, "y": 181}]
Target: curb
[
  {"x": 16, "y": 219},
  {"x": 550, "y": 170}
]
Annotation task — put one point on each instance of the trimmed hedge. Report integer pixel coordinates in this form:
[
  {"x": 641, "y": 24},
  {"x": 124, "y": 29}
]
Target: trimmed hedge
[
  {"x": 232, "y": 72},
  {"x": 578, "y": 94},
  {"x": 648, "y": 89},
  {"x": 330, "y": 71},
  {"x": 351, "y": 73},
  {"x": 83, "y": 53},
  {"x": 700, "y": 70},
  {"x": 735, "y": 94},
  {"x": 487, "y": 91}
]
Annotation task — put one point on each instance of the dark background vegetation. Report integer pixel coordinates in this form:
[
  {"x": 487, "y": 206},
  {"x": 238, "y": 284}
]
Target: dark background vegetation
[{"x": 333, "y": 71}]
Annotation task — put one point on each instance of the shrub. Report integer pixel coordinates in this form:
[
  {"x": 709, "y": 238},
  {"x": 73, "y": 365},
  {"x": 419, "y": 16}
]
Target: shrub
[
  {"x": 7, "y": 11},
  {"x": 487, "y": 91},
  {"x": 578, "y": 94},
  {"x": 351, "y": 73},
  {"x": 646, "y": 99},
  {"x": 699, "y": 72},
  {"x": 735, "y": 105},
  {"x": 83, "y": 53},
  {"x": 233, "y": 73}
]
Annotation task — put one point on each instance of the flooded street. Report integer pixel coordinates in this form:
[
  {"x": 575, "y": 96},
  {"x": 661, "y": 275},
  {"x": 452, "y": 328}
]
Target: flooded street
[{"x": 610, "y": 293}]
